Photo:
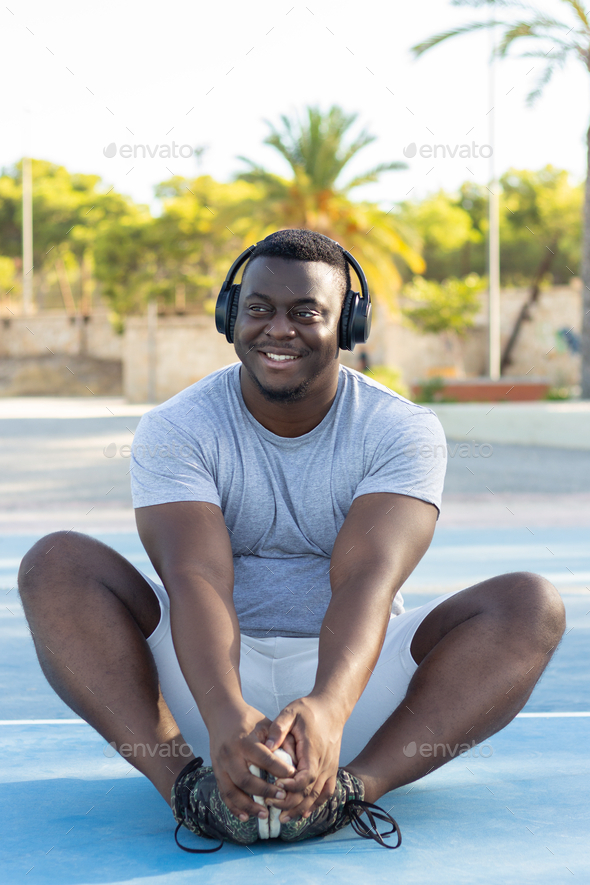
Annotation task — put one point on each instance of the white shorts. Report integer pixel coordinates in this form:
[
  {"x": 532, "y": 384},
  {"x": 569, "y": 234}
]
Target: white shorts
[{"x": 276, "y": 670}]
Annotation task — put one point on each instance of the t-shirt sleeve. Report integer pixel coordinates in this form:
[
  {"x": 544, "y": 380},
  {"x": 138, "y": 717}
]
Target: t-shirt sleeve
[
  {"x": 410, "y": 459},
  {"x": 167, "y": 465}
]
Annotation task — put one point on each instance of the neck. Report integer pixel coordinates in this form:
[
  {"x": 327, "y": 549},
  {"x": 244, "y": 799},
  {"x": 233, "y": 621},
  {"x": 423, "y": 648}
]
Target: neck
[{"x": 290, "y": 419}]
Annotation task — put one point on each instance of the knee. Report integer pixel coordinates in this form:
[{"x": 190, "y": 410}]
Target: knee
[
  {"x": 535, "y": 604},
  {"x": 52, "y": 554}
]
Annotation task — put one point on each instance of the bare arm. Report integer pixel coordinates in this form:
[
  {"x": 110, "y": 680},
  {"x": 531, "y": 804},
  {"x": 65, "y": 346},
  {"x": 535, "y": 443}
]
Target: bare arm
[
  {"x": 188, "y": 545},
  {"x": 383, "y": 538},
  {"x": 381, "y": 542}
]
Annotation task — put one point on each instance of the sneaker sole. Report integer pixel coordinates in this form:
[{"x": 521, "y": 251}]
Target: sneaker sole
[{"x": 270, "y": 827}]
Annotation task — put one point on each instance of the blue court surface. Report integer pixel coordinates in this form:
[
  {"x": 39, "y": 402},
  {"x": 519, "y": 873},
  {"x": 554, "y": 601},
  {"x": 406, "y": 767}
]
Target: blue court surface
[{"x": 514, "y": 810}]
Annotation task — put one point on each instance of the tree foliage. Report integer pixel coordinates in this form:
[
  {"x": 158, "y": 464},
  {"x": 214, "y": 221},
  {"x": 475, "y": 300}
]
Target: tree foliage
[
  {"x": 540, "y": 214},
  {"x": 553, "y": 41},
  {"x": 450, "y": 306},
  {"x": 318, "y": 150}
]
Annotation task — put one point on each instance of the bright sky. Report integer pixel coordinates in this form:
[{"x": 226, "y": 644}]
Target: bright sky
[{"x": 78, "y": 77}]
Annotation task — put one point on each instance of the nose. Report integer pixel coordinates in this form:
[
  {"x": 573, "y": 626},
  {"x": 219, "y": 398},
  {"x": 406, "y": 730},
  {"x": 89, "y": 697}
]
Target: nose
[{"x": 281, "y": 326}]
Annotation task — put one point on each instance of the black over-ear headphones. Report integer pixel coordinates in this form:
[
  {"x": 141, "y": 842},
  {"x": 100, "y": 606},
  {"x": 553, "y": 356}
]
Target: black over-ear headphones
[{"x": 355, "y": 319}]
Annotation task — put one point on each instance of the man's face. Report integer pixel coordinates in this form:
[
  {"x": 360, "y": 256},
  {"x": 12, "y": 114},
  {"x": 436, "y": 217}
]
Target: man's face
[{"x": 289, "y": 307}]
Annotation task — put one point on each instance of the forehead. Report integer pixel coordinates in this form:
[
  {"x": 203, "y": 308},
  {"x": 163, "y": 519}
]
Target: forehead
[{"x": 283, "y": 279}]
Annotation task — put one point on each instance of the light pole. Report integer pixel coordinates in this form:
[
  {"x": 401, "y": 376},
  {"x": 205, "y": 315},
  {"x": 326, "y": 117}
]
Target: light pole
[
  {"x": 27, "y": 174},
  {"x": 493, "y": 234}
]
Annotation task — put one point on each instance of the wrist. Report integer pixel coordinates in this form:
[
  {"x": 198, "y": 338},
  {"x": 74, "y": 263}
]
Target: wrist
[
  {"x": 332, "y": 705},
  {"x": 224, "y": 713}
]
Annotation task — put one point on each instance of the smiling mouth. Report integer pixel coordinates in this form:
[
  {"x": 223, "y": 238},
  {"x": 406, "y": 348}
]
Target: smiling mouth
[
  {"x": 280, "y": 356},
  {"x": 278, "y": 360}
]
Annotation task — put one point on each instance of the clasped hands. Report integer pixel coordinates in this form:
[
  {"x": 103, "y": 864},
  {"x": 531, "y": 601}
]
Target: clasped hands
[{"x": 307, "y": 728}]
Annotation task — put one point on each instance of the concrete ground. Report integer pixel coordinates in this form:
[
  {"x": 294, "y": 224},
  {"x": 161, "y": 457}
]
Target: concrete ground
[{"x": 61, "y": 458}]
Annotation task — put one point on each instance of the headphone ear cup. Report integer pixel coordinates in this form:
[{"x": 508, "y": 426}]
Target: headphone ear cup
[
  {"x": 232, "y": 309},
  {"x": 344, "y": 338}
]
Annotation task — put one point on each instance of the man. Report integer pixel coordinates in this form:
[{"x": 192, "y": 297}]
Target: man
[{"x": 283, "y": 501}]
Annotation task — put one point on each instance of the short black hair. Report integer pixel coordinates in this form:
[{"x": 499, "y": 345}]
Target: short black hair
[{"x": 304, "y": 245}]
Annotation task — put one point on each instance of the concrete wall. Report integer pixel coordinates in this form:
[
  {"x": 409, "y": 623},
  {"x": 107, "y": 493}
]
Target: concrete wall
[
  {"x": 54, "y": 331},
  {"x": 537, "y": 353},
  {"x": 186, "y": 350}
]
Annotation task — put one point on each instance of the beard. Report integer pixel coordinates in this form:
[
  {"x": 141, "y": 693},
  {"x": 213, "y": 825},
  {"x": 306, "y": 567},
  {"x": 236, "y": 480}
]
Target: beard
[
  {"x": 288, "y": 394},
  {"x": 285, "y": 394}
]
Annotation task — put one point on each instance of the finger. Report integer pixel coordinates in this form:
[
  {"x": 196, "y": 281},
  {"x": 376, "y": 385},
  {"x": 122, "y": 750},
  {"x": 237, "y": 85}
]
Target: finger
[
  {"x": 314, "y": 799},
  {"x": 303, "y": 808},
  {"x": 240, "y": 803},
  {"x": 244, "y": 791},
  {"x": 280, "y": 728},
  {"x": 289, "y": 746},
  {"x": 305, "y": 775},
  {"x": 326, "y": 793},
  {"x": 278, "y": 765}
]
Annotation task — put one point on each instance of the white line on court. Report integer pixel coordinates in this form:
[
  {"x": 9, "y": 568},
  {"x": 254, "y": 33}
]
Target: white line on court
[
  {"x": 43, "y": 722},
  {"x": 82, "y": 722},
  {"x": 548, "y": 715}
]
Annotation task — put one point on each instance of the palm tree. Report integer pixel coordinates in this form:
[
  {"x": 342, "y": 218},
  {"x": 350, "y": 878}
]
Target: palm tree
[
  {"x": 317, "y": 150},
  {"x": 554, "y": 42}
]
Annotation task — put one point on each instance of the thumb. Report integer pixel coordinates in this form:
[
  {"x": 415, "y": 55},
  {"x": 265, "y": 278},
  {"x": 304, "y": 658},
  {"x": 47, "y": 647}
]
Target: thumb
[{"x": 279, "y": 729}]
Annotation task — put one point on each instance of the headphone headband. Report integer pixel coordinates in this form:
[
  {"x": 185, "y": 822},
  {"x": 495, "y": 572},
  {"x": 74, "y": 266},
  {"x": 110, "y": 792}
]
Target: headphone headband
[{"x": 355, "y": 318}]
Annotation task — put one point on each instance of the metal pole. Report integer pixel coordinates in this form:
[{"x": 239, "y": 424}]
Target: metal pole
[
  {"x": 152, "y": 328},
  {"x": 27, "y": 234},
  {"x": 494, "y": 349}
]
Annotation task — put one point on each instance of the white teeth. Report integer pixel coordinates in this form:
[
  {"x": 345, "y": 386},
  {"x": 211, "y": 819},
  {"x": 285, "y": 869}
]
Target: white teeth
[{"x": 279, "y": 356}]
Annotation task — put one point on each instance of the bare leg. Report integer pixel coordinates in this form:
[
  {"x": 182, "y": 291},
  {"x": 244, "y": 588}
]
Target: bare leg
[
  {"x": 480, "y": 654},
  {"x": 90, "y": 612}
]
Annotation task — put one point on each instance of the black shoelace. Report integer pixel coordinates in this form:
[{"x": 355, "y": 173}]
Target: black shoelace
[
  {"x": 357, "y": 807},
  {"x": 196, "y": 850}
]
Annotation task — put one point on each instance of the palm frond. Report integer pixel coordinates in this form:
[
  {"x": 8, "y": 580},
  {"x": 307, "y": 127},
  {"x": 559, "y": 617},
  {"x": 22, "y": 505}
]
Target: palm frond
[
  {"x": 373, "y": 175},
  {"x": 564, "y": 51},
  {"x": 557, "y": 62},
  {"x": 420, "y": 48},
  {"x": 540, "y": 85},
  {"x": 580, "y": 12},
  {"x": 538, "y": 27},
  {"x": 477, "y": 4}
]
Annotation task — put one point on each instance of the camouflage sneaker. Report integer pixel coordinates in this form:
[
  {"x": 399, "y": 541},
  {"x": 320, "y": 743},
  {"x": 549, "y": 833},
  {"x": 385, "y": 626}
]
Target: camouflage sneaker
[
  {"x": 197, "y": 804},
  {"x": 345, "y": 806}
]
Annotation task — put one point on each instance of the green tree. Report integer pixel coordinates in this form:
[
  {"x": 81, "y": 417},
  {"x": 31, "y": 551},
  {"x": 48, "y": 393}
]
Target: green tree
[
  {"x": 199, "y": 235},
  {"x": 9, "y": 285},
  {"x": 69, "y": 210},
  {"x": 554, "y": 41},
  {"x": 446, "y": 232},
  {"x": 318, "y": 150},
  {"x": 447, "y": 309},
  {"x": 541, "y": 234}
]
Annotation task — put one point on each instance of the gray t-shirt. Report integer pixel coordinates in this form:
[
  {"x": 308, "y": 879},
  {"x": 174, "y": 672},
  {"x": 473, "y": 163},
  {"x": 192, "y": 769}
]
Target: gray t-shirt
[{"x": 284, "y": 500}]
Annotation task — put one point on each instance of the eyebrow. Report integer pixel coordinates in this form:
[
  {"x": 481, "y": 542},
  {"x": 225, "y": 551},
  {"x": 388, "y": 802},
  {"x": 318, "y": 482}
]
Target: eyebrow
[{"x": 267, "y": 298}]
